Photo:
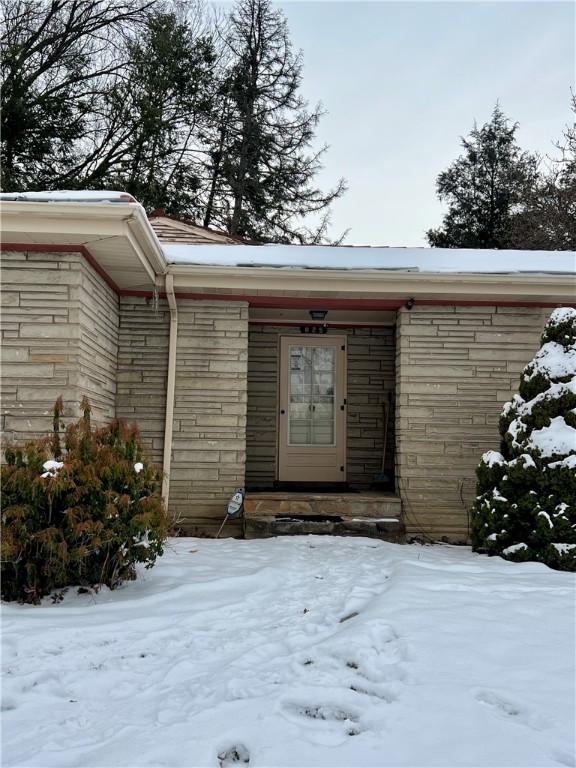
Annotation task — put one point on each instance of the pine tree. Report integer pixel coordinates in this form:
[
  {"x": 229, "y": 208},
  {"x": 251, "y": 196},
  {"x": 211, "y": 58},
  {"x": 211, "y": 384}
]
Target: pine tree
[
  {"x": 526, "y": 503},
  {"x": 58, "y": 59},
  {"x": 261, "y": 165},
  {"x": 483, "y": 187},
  {"x": 165, "y": 99},
  {"x": 547, "y": 219},
  {"x": 140, "y": 95}
]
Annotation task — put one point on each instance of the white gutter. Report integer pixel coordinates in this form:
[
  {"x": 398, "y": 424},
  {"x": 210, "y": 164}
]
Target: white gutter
[
  {"x": 91, "y": 221},
  {"x": 170, "y": 388},
  {"x": 140, "y": 254},
  {"x": 151, "y": 246}
]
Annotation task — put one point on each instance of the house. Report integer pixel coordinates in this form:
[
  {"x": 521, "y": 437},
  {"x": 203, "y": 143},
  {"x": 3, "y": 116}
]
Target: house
[{"x": 301, "y": 373}]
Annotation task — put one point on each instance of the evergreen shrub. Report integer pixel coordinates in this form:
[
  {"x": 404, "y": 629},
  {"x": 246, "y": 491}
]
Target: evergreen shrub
[
  {"x": 526, "y": 503},
  {"x": 84, "y": 512}
]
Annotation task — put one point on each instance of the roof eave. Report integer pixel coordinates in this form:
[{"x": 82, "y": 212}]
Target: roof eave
[
  {"x": 91, "y": 223},
  {"x": 554, "y": 288}
]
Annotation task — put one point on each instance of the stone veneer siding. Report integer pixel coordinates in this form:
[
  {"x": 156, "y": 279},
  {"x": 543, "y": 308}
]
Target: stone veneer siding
[
  {"x": 371, "y": 377},
  {"x": 59, "y": 337},
  {"x": 209, "y": 431},
  {"x": 65, "y": 332},
  {"x": 455, "y": 367},
  {"x": 209, "y": 438},
  {"x": 143, "y": 340},
  {"x": 98, "y": 320}
]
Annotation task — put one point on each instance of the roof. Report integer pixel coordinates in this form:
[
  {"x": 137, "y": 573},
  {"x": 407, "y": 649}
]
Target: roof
[
  {"x": 186, "y": 243},
  {"x": 113, "y": 232},
  {"x": 171, "y": 230},
  {"x": 71, "y": 196},
  {"x": 108, "y": 227},
  {"x": 423, "y": 260},
  {"x": 167, "y": 228}
]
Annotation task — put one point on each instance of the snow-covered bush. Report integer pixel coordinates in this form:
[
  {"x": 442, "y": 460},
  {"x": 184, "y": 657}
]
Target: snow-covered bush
[
  {"x": 526, "y": 503},
  {"x": 82, "y": 514}
]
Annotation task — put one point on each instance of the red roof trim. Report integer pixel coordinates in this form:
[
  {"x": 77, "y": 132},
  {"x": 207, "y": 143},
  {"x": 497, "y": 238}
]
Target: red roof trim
[{"x": 67, "y": 248}]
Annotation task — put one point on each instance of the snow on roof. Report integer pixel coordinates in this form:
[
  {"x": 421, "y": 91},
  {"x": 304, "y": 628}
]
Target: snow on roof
[
  {"x": 374, "y": 259},
  {"x": 71, "y": 196}
]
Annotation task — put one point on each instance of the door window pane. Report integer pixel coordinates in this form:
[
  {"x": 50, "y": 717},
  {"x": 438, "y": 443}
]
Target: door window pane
[{"x": 311, "y": 395}]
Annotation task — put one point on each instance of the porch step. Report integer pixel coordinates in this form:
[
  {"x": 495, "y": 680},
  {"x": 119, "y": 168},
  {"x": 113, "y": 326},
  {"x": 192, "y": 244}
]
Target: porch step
[
  {"x": 263, "y": 527},
  {"x": 349, "y": 505},
  {"x": 350, "y": 514}
]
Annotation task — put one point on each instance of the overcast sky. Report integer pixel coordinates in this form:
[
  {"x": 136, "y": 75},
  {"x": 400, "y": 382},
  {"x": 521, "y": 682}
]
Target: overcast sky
[{"x": 402, "y": 81}]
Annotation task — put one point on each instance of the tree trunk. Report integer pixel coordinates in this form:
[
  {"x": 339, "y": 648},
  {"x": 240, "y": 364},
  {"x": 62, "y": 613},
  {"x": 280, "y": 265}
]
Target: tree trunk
[
  {"x": 240, "y": 181},
  {"x": 215, "y": 175}
]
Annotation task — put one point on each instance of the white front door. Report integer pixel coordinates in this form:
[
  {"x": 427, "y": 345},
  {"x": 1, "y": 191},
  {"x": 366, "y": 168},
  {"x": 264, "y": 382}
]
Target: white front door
[{"x": 312, "y": 419}]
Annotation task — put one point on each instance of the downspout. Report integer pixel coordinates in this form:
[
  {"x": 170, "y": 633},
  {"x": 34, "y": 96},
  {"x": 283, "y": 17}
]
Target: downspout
[{"x": 170, "y": 387}]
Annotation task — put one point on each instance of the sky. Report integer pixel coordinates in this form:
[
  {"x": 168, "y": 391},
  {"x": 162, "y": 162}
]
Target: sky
[{"x": 402, "y": 82}]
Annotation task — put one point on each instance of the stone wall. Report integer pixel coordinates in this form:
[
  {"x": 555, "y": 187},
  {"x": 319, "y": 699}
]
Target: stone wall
[
  {"x": 98, "y": 320},
  {"x": 65, "y": 333},
  {"x": 455, "y": 368},
  {"x": 209, "y": 439},
  {"x": 59, "y": 336},
  {"x": 370, "y": 378},
  {"x": 209, "y": 431},
  {"x": 143, "y": 368}
]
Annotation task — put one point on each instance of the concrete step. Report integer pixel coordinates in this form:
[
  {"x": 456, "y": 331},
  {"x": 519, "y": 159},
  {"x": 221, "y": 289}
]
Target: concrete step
[
  {"x": 347, "y": 505},
  {"x": 386, "y": 529}
]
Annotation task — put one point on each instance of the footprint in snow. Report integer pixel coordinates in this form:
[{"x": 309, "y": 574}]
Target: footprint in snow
[
  {"x": 7, "y": 705},
  {"x": 510, "y": 709},
  {"x": 378, "y": 664},
  {"x": 375, "y": 693},
  {"x": 322, "y": 712},
  {"x": 565, "y": 758},
  {"x": 234, "y": 756},
  {"x": 327, "y": 713}
]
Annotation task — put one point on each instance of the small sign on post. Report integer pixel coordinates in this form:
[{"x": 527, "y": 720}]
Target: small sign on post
[{"x": 234, "y": 509}]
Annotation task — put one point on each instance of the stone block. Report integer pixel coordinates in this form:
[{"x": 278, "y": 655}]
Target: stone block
[
  {"x": 27, "y": 370},
  {"x": 12, "y": 354},
  {"x": 49, "y": 331},
  {"x": 9, "y": 299},
  {"x": 227, "y": 366}
]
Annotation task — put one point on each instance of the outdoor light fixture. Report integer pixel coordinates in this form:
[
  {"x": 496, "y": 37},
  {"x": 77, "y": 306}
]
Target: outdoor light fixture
[{"x": 318, "y": 314}]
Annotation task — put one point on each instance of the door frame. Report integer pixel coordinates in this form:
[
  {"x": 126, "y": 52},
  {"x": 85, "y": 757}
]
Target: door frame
[{"x": 339, "y": 342}]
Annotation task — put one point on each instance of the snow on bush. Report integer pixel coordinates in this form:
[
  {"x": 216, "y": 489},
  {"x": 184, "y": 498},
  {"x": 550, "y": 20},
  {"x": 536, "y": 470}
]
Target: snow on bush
[
  {"x": 526, "y": 503},
  {"x": 85, "y": 516}
]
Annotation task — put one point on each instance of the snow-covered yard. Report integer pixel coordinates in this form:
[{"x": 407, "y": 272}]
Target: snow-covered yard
[{"x": 298, "y": 652}]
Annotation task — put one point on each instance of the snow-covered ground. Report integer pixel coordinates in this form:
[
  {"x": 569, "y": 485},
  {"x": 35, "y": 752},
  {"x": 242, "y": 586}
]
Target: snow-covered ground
[{"x": 303, "y": 651}]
